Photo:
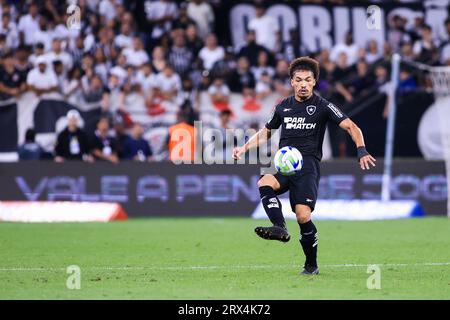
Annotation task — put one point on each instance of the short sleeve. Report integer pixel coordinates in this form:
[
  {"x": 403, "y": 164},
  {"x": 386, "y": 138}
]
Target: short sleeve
[
  {"x": 334, "y": 113},
  {"x": 274, "y": 121}
]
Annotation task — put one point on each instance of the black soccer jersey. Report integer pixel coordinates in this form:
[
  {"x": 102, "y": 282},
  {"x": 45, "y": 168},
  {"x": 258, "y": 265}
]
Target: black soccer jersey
[{"x": 303, "y": 123}]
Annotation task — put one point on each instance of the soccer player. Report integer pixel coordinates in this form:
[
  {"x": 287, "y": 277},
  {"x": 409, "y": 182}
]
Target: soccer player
[{"x": 303, "y": 118}]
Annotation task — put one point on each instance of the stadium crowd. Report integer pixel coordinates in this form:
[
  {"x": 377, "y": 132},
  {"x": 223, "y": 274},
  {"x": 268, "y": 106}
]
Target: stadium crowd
[{"x": 172, "y": 54}]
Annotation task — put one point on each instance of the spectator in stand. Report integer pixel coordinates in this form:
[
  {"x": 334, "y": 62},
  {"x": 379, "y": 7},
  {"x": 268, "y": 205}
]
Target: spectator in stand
[
  {"x": 120, "y": 134},
  {"x": 160, "y": 14},
  {"x": 94, "y": 91},
  {"x": 28, "y": 24},
  {"x": 262, "y": 66},
  {"x": 406, "y": 51},
  {"x": 282, "y": 81},
  {"x": 146, "y": 79},
  {"x": 30, "y": 150},
  {"x": 183, "y": 20},
  {"x": 348, "y": 47},
  {"x": 190, "y": 100},
  {"x": 266, "y": 29},
  {"x": 292, "y": 48},
  {"x": 39, "y": 50},
  {"x": 241, "y": 77},
  {"x": 229, "y": 137},
  {"x": 22, "y": 65},
  {"x": 77, "y": 50},
  {"x": 181, "y": 140},
  {"x": 87, "y": 65},
  {"x": 72, "y": 84},
  {"x": 343, "y": 67},
  {"x": 44, "y": 34},
  {"x": 387, "y": 52},
  {"x": 57, "y": 53},
  {"x": 136, "y": 55},
  {"x": 103, "y": 146},
  {"x": 250, "y": 102},
  {"x": 397, "y": 34},
  {"x": 381, "y": 77},
  {"x": 101, "y": 65},
  {"x": 104, "y": 41},
  {"x": 363, "y": 81},
  {"x": 445, "y": 37},
  {"x": 9, "y": 29},
  {"x": 158, "y": 61},
  {"x": 3, "y": 47},
  {"x": 120, "y": 69},
  {"x": 12, "y": 83},
  {"x": 323, "y": 57},
  {"x": 72, "y": 143},
  {"x": 42, "y": 79},
  {"x": 373, "y": 54},
  {"x": 125, "y": 38},
  {"x": 180, "y": 57},
  {"x": 341, "y": 71},
  {"x": 225, "y": 119},
  {"x": 211, "y": 52},
  {"x": 264, "y": 86},
  {"x": 445, "y": 46},
  {"x": 425, "y": 49},
  {"x": 168, "y": 84},
  {"x": 202, "y": 13},
  {"x": 251, "y": 50},
  {"x": 136, "y": 148},
  {"x": 60, "y": 73},
  {"x": 416, "y": 32},
  {"x": 224, "y": 68},
  {"x": 406, "y": 81},
  {"x": 107, "y": 9},
  {"x": 219, "y": 93},
  {"x": 193, "y": 41}
]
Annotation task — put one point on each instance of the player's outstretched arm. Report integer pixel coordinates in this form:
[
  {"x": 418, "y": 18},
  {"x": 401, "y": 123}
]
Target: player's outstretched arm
[
  {"x": 355, "y": 132},
  {"x": 258, "y": 138}
]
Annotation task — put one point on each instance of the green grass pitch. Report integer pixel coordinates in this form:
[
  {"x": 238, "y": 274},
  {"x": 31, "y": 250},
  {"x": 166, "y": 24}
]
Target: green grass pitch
[{"x": 208, "y": 258}]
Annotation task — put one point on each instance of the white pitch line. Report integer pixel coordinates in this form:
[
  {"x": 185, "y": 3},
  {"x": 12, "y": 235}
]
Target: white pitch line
[{"x": 170, "y": 268}]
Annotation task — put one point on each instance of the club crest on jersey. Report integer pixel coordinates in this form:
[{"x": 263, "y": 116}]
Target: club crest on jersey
[{"x": 311, "y": 109}]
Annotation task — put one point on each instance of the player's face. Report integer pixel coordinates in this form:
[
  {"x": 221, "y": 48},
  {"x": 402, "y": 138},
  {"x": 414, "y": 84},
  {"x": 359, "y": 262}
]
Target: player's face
[{"x": 303, "y": 83}]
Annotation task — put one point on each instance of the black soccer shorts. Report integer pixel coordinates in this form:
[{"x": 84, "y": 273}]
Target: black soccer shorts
[{"x": 303, "y": 185}]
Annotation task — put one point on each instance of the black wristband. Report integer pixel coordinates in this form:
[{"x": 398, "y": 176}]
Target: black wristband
[{"x": 361, "y": 151}]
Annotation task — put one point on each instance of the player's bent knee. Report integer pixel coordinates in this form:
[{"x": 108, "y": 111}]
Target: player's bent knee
[
  {"x": 270, "y": 181},
  {"x": 303, "y": 217},
  {"x": 303, "y": 213}
]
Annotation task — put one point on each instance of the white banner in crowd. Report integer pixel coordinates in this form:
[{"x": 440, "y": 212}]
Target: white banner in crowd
[{"x": 330, "y": 23}]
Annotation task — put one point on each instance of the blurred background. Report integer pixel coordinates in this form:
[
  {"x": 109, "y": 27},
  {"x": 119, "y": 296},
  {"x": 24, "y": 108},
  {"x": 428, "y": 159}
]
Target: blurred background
[{"x": 92, "y": 82}]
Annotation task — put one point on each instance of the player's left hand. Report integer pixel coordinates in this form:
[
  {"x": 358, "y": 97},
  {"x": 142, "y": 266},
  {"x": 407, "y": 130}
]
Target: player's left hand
[{"x": 365, "y": 161}]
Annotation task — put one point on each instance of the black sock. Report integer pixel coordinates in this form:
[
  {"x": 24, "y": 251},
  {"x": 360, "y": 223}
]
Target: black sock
[
  {"x": 272, "y": 206},
  {"x": 309, "y": 241}
]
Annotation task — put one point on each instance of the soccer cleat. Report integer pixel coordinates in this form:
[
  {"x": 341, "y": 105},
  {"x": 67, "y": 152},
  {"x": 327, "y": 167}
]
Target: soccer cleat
[
  {"x": 309, "y": 271},
  {"x": 273, "y": 233}
]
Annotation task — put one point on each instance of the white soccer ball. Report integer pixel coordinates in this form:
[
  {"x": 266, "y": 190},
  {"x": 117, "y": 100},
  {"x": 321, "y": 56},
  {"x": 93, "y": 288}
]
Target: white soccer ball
[{"x": 288, "y": 160}]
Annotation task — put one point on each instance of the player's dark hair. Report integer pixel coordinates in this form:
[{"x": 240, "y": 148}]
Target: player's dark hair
[{"x": 304, "y": 63}]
